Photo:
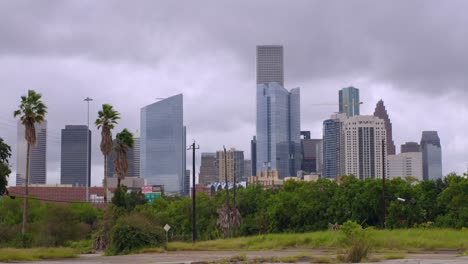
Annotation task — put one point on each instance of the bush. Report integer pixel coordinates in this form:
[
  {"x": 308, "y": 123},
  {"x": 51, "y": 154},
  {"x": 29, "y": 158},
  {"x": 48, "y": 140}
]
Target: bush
[
  {"x": 357, "y": 241},
  {"x": 134, "y": 232}
]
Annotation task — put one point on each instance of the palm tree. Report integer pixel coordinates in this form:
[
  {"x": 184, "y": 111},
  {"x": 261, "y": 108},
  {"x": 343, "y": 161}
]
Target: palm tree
[
  {"x": 107, "y": 118},
  {"x": 31, "y": 111},
  {"x": 124, "y": 143}
]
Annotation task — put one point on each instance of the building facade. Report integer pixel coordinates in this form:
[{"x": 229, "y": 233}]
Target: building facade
[
  {"x": 410, "y": 147},
  {"x": 278, "y": 129},
  {"x": 232, "y": 163},
  {"x": 364, "y": 156},
  {"x": 311, "y": 155},
  {"x": 253, "y": 154},
  {"x": 187, "y": 178},
  {"x": 349, "y": 102},
  {"x": 38, "y": 158},
  {"x": 270, "y": 64},
  {"x": 75, "y": 156},
  {"x": 247, "y": 169},
  {"x": 333, "y": 147},
  {"x": 381, "y": 113},
  {"x": 405, "y": 164},
  {"x": 208, "y": 169},
  {"x": 432, "y": 155},
  {"x": 163, "y": 148}
]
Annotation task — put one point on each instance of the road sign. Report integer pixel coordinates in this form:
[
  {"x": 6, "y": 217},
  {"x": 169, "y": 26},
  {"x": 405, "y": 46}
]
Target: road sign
[{"x": 167, "y": 227}]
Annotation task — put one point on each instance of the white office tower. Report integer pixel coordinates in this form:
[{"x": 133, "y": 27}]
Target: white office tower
[
  {"x": 363, "y": 146},
  {"x": 405, "y": 164}
]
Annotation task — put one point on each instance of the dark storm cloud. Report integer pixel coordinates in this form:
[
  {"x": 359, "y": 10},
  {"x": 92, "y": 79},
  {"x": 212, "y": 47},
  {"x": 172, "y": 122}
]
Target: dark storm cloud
[{"x": 411, "y": 53}]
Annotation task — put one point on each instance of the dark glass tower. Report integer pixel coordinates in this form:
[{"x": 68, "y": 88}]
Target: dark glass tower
[
  {"x": 75, "y": 162},
  {"x": 410, "y": 147},
  {"x": 349, "y": 101},
  {"x": 432, "y": 155},
  {"x": 381, "y": 113}
]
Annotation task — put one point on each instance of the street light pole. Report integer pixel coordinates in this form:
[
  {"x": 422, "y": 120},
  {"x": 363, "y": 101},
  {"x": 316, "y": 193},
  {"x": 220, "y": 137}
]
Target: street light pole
[
  {"x": 383, "y": 185},
  {"x": 88, "y": 149}
]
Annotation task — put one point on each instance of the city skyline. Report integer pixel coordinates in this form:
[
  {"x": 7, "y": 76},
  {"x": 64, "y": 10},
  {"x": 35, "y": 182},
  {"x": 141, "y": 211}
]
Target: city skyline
[{"x": 217, "y": 68}]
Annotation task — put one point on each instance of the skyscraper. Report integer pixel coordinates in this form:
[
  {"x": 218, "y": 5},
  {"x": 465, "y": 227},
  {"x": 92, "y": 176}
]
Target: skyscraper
[
  {"x": 247, "y": 169},
  {"x": 253, "y": 153},
  {"x": 333, "y": 146},
  {"x": 410, "y": 147},
  {"x": 278, "y": 129},
  {"x": 75, "y": 161},
  {"x": 234, "y": 161},
  {"x": 310, "y": 150},
  {"x": 38, "y": 158},
  {"x": 270, "y": 64},
  {"x": 432, "y": 155},
  {"x": 381, "y": 113},
  {"x": 187, "y": 178},
  {"x": 133, "y": 156},
  {"x": 208, "y": 169},
  {"x": 363, "y": 146},
  {"x": 162, "y": 150},
  {"x": 349, "y": 101},
  {"x": 405, "y": 164}
]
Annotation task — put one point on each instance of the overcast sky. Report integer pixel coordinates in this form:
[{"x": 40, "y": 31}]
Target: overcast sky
[{"x": 411, "y": 54}]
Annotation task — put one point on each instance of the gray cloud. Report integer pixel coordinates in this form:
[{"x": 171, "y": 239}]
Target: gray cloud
[{"x": 411, "y": 54}]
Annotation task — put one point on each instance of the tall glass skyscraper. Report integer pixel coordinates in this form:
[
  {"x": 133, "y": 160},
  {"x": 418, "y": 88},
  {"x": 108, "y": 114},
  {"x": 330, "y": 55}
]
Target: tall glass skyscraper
[
  {"x": 75, "y": 161},
  {"x": 270, "y": 64},
  {"x": 38, "y": 158},
  {"x": 432, "y": 155},
  {"x": 163, "y": 148},
  {"x": 349, "y": 101},
  {"x": 333, "y": 146},
  {"x": 278, "y": 129}
]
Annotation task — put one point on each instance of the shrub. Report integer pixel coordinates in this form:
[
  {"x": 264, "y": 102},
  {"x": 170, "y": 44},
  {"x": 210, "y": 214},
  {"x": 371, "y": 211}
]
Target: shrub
[
  {"x": 134, "y": 232},
  {"x": 357, "y": 241}
]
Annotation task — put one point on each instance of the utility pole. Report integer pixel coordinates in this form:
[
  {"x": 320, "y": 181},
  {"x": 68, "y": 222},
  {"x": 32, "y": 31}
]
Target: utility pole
[
  {"x": 228, "y": 207},
  {"x": 194, "y": 212},
  {"x": 383, "y": 185},
  {"x": 88, "y": 150}
]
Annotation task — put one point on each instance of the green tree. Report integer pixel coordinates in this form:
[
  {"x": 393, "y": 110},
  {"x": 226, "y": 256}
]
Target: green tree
[
  {"x": 107, "y": 118},
  {"x": 125, "y": 142},
  {"x": 31, "y": 111},
  {"x": 5, "y": 154}
]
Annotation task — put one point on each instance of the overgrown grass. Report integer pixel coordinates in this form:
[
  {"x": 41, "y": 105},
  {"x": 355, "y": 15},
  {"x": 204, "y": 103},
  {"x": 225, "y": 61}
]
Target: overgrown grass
[
  {"x": 34, "y": 254},
  {"x": 389, "y": 239}
]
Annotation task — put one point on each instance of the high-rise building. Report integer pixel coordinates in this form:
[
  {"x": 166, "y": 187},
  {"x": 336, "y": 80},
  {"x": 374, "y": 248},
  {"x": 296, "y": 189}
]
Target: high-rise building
[
  {"x": 162, "y": 148},
  {"x": 333, "y": 146},
  {"x": 310, "y": 150},
  {"x": 247, "y": 169},
  {"x": 432, "y": 155},
  {"x": 410, "y": 147},
  {"x": 75, "y": 156},
  {"x": 278, "y": 129},
  {"x": 208, "y": 169},
  {"x": 381, "y": 113},
  {"x": 405, "y": 164},
  {"x": 187, "y": 178},
  {"x": 133, "y": 157},
  {"x": 270, "y": 64},
  {"x": 349, "y": 101},
  {"x": 234, "y": 161},
  {"x": 363, "y": 146},
  {"x": 253, "y": 154},
  {"x": 38, "y": 156}
]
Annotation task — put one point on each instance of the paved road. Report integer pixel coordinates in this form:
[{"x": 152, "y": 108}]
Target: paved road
[{"x": 200, "y": 256}]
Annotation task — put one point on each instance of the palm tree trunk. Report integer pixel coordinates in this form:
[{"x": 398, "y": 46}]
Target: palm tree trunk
[
  {"x": 118, "y": 183},
  {"x": 26, "y": 193},
  {"x": 105, "y": 178}
]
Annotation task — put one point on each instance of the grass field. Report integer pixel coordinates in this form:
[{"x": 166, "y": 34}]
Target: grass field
[
  {"x": 31, "y": 254},
  {"x": 389, "y": 239}
]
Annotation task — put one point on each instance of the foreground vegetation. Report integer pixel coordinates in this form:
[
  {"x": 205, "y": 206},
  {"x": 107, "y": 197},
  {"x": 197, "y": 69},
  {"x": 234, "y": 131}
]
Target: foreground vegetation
[
  {"x": 400, "y": 239},
  {"x": 34, "y": 254}
]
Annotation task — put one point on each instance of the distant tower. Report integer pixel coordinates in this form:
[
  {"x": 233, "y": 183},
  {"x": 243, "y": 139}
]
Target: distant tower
[
  {"x": 38, "y": 165},
  {"x": 235, "y": 165},
  {"x": 410, "y": 147},
  {"x": 381, "y": 113},
  {"x": 253, "y": 154},
  {"x": 349, "y": 102},
  {"x": 432, "y": 155},
  {"x": 363, "y": 146},
  {"x": 75, "y": 155},
  {"x": 208, "y": 170},
  {"x": 162, "y": 144},
  {"x": 270, "y": 64},
  {"x": 333, "y": 146}
]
